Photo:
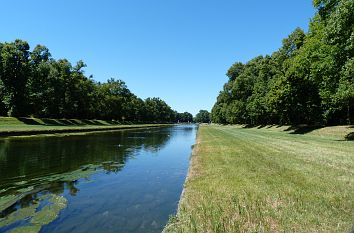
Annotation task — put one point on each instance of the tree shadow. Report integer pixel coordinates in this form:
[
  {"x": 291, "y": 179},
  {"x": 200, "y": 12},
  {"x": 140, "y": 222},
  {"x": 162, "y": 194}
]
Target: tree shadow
[
  {"x": 92, "y": 122},
  {"x": 350, "y": 136},
  {"x": 48, "y": 121},
  {"x": 65, "y": 122},
  {"x": 292, "y": 129},
  {"x": 112, "y": 122},
  {"x": 261, "y": 126},
  {"x": 270, "y": 126},
  {"x": 29, "y": 121},
  {"x": 303, "y": 129},
  {"x": 248, "y": 126}
]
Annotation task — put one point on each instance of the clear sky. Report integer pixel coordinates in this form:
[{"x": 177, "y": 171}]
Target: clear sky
[{"x": 178, "y": 50}]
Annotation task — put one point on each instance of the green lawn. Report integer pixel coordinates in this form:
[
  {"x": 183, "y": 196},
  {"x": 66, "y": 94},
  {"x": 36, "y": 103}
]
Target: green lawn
[
  {"x": 268, "y": 180},
  {"x": 27, "y": 126}
]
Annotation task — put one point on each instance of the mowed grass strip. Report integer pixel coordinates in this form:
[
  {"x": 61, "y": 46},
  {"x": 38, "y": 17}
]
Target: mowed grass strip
[
  {"x": 10, "y": 126},
  {"x": 267, "y": 180}
]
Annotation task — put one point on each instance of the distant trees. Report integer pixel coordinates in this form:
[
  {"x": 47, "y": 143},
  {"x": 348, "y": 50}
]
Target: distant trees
[
  {"x": 308, "y": 80},
  {"x": 157, "y": 110},
  {"x": 203, "y": 116},
  {"x": 32, "y": 83},
  {"x": 184, "y": 117}
]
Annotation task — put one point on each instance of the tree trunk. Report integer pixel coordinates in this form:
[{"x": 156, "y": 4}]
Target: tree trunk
[{"x": 348, "y": 113}]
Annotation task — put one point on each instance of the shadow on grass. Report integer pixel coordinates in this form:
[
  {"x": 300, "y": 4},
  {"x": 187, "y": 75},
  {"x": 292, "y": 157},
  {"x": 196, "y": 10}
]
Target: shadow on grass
[
  {"x": 349, "y": 136},
  {"x": 63, "y": 122},
  {"x": 248, "y": 126},
  {"x": 303, "y": 129},
  {"x": 92, "y": 122},
  {"x": 29, "y": 121},
  {"x": 293, "y": 129},
  {"x": 53, "y": 122}
]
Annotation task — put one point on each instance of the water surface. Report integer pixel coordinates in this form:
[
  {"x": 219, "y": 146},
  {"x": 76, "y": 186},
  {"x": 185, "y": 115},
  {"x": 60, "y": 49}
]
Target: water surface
[{"x": 122, "y": 181}]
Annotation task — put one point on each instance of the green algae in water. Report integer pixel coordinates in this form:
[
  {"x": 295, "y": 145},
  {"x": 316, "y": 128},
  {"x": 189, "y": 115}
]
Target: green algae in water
[
  {"x": 25, "y": 190},
  {"x": 21, "y": 183},
  {"x": 21, "y": 214},
  {"x": 9, "y": 200},
  {"x": 50, "y": 212},
  {"x": 83, "y": 172},
  {"x": 36, "y": 218},
  {"x": 26, "y": 229},
  {"x": 3, "y": 190}
]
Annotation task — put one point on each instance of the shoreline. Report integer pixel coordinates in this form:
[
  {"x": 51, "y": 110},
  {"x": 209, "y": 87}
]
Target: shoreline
[
  {"x": 243, "y": 179},
  {"x": 189, "y": 175},
  {"x": 74, "y": 129}
]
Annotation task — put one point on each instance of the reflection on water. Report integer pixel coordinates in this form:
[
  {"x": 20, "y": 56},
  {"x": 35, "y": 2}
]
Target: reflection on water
[{"x": 123, "y": 181}]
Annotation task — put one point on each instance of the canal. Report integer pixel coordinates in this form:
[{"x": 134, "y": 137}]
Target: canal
[{"x": 118, "y": 181}]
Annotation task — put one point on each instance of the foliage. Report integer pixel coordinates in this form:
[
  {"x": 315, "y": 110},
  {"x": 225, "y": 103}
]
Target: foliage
[
  {"x": 203, "y": 116},
  {"x": 32, "y": 83},
  {"x": 15, "y": 67},
  {"x": 185, "y": 117},
  {"x": 308, "y": 80}
]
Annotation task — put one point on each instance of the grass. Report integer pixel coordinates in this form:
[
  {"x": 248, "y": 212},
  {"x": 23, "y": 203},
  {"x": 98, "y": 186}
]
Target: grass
[
  {"x": 268, "y": 179},
  {"x": 10, "y": 126}
]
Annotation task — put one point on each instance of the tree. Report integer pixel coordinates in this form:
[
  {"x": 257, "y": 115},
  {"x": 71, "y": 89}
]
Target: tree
[
  {"x": 184, "y": 117},
  {"x": 113, "y": 94},
  {"x": 158, "y": 111},
  {"x": 15, "y": 73},
  {"x": 3, "y": 110},
  {"x": 235, "y": 70},
  {"x": 38, "y": 84},
  {"x": 203, "y": 116},
  {"x": 308, "y": 80},
  {"x": 345, "y": 93}
]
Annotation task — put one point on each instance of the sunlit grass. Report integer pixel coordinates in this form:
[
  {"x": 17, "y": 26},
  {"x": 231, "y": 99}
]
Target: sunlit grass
[{"x": 268, "y": 180}]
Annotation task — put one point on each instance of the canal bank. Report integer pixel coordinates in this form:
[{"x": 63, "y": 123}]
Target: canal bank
[
  {"x": 73, "y": 129},
  {"x": 268, "y": 179},
  {"x": 10, "y": 126}
]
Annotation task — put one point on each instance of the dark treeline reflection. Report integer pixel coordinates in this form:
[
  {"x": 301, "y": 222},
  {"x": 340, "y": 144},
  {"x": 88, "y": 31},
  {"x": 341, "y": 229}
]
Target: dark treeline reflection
[{"x": 29, "y": 158}]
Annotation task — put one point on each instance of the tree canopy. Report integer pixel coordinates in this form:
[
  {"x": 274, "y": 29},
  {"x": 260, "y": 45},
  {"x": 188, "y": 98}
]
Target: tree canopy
[
  {"x": 203, "y": 116},
  {"x": 32, "y": 83},
  {"x": 185, "y": 117},
  {"x": 310, "y": 79}
]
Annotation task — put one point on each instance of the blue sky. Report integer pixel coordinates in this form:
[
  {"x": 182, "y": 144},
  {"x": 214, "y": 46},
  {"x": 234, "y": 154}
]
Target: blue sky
[{"x": 178, "y": 50}]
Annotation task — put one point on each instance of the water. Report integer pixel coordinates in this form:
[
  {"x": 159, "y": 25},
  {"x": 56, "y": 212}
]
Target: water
[{"x": 122, "y": 181}]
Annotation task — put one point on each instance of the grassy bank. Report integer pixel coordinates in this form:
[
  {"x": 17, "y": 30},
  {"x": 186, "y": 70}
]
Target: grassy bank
[
  {"x": 10, "y": 126},
  {"x": 268, "y": 179}
]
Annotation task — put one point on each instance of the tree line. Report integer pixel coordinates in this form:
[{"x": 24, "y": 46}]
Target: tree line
[
  {"x": 32, "y": 83},
  {"x": 310, "y": 79},
  {"x": 203, "y": 116}
]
